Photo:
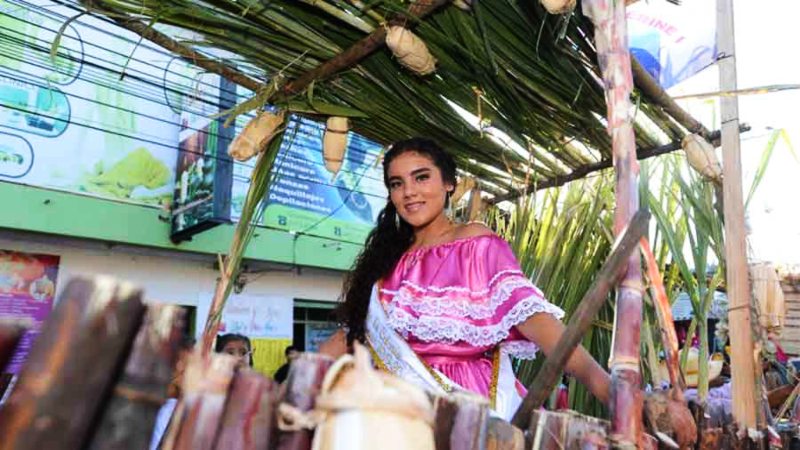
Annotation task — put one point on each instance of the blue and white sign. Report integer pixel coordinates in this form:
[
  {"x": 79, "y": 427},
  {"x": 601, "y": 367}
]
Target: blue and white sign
[{"x": 673, "y": 42}]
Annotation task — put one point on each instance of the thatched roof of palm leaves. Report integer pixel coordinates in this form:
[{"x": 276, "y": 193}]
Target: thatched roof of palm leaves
[{"x": 528, "y": 73}]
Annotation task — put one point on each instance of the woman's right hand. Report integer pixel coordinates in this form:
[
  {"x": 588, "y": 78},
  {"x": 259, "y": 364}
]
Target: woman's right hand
[{"x": 335, "y": 346}]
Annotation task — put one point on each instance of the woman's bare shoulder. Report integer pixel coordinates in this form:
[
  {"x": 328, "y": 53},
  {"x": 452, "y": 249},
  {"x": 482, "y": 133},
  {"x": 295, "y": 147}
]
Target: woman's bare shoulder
[{"x": 473, "y": 229}]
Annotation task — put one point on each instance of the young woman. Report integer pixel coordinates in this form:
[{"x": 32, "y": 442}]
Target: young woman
[{"x": 445, "y": 305}]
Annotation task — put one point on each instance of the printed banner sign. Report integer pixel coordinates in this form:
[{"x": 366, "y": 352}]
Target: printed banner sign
[
  {"x": 673, "y": 42},
  {"x": 27, "y": 288},
  {"x": 255, "y": 316}
]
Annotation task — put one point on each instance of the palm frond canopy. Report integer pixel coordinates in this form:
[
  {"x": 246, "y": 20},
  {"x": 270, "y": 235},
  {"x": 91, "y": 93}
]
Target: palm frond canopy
[{"x": 532, "y": 75}]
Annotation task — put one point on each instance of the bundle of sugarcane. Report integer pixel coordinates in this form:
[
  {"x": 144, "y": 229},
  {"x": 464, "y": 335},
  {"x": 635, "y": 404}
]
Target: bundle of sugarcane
[
  {"x": 128, "y": 420},
  {"x": 64, "y": 382}
]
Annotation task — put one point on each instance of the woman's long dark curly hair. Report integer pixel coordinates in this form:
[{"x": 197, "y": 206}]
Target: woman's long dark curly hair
[{"x": 387, "y": 242}]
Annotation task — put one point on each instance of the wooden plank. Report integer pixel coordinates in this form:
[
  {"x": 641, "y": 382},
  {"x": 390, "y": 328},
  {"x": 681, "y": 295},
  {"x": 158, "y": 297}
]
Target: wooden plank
[
  {"x": 249, "y": 419},
  {"x": 129, "y": 418},
  {"x": 72, "y": 366},
  {"x": 745, "y": 394}
]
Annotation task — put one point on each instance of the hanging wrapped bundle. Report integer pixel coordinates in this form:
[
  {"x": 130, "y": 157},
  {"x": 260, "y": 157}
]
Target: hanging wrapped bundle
[
  {"x": 364, "y": 408},
  {"x": 256, "y": 135},
  {"x": 410, "y": 50},
  {"x": 769, "y": 294},
  {"x": 466, "y": 184},
  {"x": 701, "y": 156},
  {"x": 558, "y": 6},
  {"x": 464, "y": 5},
  {"x": 334, "y": 143}
]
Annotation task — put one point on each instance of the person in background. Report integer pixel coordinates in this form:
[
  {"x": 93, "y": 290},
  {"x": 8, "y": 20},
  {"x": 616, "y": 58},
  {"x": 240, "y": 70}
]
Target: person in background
[
  {"x": 236, "y": 345},
  {"x": 174, "y": 392},
  {"x": 291, "y": 354}
]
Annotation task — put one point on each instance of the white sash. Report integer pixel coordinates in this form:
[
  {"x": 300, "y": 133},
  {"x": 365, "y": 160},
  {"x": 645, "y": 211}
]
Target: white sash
[{"x": 398, "y": 358}]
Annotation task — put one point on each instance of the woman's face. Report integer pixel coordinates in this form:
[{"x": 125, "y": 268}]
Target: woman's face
[
  {"x": 416, "y": 188},
  {"x": 240, "y": 350}
]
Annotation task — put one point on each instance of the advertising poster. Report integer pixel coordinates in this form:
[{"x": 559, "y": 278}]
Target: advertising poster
[
  {"x": 305, "y": 197},
  {"x": 27, "y": 288},
  {"x": 203, "y": 181},
  {"x": 74, "y": 123},
  {"x": 673, "y": 42}
]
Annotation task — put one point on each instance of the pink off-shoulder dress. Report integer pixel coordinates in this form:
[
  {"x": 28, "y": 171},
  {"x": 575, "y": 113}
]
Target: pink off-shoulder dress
[{"x": 454, "y": 303}]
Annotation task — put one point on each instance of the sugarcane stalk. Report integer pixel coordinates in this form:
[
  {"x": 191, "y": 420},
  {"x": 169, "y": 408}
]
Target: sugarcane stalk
[
  {"x": 230, "y": 265},
  {"x": 669, "y": 338},
  {"x": 72, "y": 366},
  {"x": 687, "y": 344},
  {"x": 615, "y": 64},
  {"x": 128, "y": 420},
  {"x": 197, "y": 417},
  {"x": 702, "y": 363},
  {"x": 249, "y": 419}
]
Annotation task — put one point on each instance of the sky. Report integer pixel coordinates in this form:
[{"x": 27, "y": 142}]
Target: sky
[{"x": 766, "y": 54}]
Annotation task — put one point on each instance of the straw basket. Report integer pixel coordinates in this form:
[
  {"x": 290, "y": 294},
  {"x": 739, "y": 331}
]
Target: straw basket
[{"x": 365, "y": 409}]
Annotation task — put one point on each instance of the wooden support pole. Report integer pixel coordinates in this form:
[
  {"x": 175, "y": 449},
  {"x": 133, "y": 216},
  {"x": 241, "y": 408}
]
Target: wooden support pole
[
  {"x": 615, "y": 62},
  {"x": 582, "y": 319},
  {"x": 743, "y": 368}
]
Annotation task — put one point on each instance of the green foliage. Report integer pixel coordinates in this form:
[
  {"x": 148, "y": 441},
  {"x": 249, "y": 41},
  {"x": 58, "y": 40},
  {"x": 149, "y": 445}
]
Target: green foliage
[{"x": 562, "y": 237}]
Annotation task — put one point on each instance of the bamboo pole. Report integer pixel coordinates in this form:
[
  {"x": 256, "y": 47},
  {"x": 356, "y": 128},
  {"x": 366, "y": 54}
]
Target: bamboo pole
[
  {"x": 615, "y": 63},
  {"x": 743, "y": 368},
  {"x": 581, "y": 320}
]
